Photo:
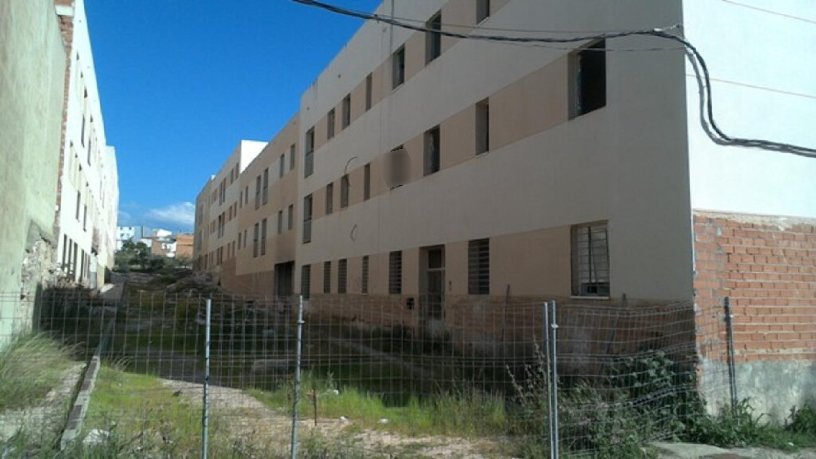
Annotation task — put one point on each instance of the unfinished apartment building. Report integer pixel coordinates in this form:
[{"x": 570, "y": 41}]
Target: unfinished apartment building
[{"x": 436, "y": 176}]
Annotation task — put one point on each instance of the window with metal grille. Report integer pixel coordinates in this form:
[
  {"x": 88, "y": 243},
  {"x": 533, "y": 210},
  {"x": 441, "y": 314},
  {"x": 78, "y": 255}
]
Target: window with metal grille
[
  {"x": 432, "y": 159},
  {"x": 344, "y": 191},
  {"x": 590, "y": 260},
  {"x": 364, "y": 276},
  {"x": 330, "y": 124},
  {"x": 308, "y": 157},
  {"x": 263, "y": 237},
  {"x": 482, "y": 127},
  {"x": 398, "y": 67},
  {"x": 307, "y": 219},
  {"x": 433, "y": 40},
  {"x": 329, "y": 198},
  {"x": 326, "y": 277},
  {"x": 367, "y": 182},
  {"x": 305, "y": 280},
  {"x": 395, "y": 272},
  {"x": 342, "y": 275},
  {"x": 588, "y": 79},
  {"x": 346, "y": 106},
  {"x": 479, "y": 267}
]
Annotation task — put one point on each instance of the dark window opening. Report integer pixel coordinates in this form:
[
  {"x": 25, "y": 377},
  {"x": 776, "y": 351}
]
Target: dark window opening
[
  {"x": 398, "y": 68},
  {"x": 432, "y": 158},
  {"x": 395, "y": 273},
  {"x": 433, "y": 40},
  {"x": 589, "y": 79}
]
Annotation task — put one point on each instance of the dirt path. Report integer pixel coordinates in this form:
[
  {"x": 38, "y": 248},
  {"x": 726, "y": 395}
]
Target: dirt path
[{"x": 252, "y": 425}]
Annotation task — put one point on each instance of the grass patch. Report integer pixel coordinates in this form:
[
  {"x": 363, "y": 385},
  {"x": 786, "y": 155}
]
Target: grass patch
[
  {"x": 139, "y": 410},
  {"x": 461, "y": 412},
  {"x": 30, "y": 366}
]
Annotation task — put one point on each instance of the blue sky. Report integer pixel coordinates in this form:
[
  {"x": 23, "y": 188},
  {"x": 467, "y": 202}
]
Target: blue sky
[{"x": 182, "y": 81}]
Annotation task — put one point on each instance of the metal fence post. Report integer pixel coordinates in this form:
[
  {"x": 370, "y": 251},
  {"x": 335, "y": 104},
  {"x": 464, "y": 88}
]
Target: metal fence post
[
  {"x": 299, "y": 347},
  {"x": 553, "y": 359},
  {"x": 729, "y": 333},
  {"x": 205, "y": 415}
]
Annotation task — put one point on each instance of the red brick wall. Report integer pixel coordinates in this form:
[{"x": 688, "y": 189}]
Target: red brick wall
[{"x": 767, "y": 266}]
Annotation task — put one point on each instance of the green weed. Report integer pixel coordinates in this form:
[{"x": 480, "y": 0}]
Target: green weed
[{"x": 30, "y": 366}]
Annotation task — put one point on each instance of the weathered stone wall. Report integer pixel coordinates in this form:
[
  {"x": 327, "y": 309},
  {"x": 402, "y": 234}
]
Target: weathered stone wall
[{"x": 32, "y": 73}]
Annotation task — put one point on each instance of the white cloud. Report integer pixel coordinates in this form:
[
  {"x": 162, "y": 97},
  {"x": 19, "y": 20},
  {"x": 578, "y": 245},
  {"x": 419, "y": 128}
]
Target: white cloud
[{"x": 181, "y": 214}]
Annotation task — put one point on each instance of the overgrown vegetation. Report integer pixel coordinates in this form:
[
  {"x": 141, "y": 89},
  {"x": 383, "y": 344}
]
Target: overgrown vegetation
[
  {"x": 463, "y": 411},
  {"x": 30, "y": 366},
  {"x": 642, "y": 399}
]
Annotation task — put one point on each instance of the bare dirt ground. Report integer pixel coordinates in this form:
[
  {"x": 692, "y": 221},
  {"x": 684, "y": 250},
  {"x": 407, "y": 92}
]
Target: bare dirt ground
[{"x": 259, "y": 428}]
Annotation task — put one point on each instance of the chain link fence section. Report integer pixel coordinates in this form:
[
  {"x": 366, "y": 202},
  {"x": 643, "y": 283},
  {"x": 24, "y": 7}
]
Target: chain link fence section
[{"x": 470, "y": 370}]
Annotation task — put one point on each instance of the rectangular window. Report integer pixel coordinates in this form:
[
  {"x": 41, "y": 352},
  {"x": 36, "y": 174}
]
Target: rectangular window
[
  {"x": 327, "y": 277},
  {"x": 367, "y": 182},
  {"x": 307, "y": 219},
  {"x": 395, "y": 272},
  {"x": 246, "y": 194},
  {"x": 291, "y": 157},
  {"x": 398, "y": 67},
  {"x": 344, "y": 191},
  {"x": 85, "y": 218},
  {"x": 482, "y": 10},
  {"x": 290, "y": 217},
  {"x": 364, "y": 276},
  {"x": 346, "y": 120},
  {"x": 257, "y": 191},
  {"x": 329, "y": 198},
  {"x": 479, "y": 267},
  {"x": 239, "y": 240},
  {"x": 590, "y": 260},
  {"x": 308, "y": 158},
  {"x": 282, "y": 166},
  {"x": 280, "y": 221},
  {"x": 330, "y": 124},
  {"x": 265, "y": 197},
  {"x": 482, "y": 127},
  {"x": 263, "y": 237},
  {"x": 433, "y": 39},
  {"x": 79, "y": 204},
  {"x": 588, "y": 79},
  {"x": 255, "y": 240},
  {"x": 432, "y": 159},
  {"x": 342, "y": 275},
  {"x": 305, "y": 280},
  {"x": 368, "y": 92}
]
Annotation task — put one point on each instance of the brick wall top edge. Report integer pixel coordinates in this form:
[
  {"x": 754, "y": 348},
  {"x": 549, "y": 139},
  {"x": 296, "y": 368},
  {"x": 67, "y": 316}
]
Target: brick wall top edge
[{"x": 780, "y": 221}]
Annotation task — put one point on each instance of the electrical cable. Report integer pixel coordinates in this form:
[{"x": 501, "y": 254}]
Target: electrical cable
[{"x": 695, "y": 57}]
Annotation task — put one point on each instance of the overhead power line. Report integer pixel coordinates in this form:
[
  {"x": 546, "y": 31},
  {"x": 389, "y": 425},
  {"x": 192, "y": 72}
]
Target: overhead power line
[{"x": 698, "y": 63}]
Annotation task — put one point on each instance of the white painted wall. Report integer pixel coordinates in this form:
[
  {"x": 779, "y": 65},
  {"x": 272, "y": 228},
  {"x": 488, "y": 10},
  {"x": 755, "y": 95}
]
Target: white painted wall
[
  {"x": 101, "y": 176},
  {"x": 760, "y": 55}
]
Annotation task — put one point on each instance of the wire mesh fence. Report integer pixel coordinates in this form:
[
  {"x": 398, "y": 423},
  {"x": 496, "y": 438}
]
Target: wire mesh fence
[{"x": 375, "y": 369}]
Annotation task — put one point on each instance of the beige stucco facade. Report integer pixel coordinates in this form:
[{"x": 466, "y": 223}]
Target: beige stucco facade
[{"x": 534, "y": 172}]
